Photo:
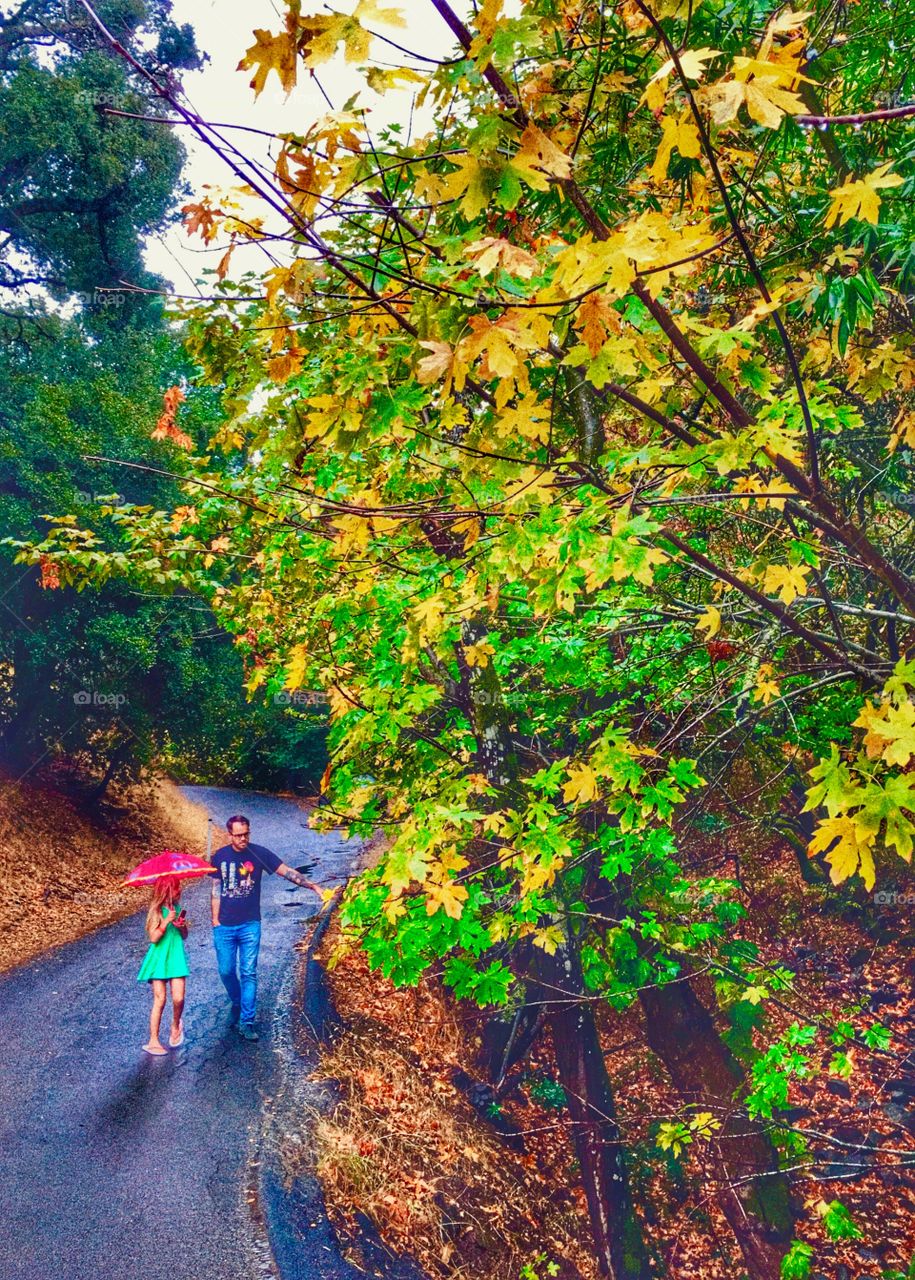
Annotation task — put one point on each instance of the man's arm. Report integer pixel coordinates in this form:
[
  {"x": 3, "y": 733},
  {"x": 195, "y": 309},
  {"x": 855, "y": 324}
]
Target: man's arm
[
  {"x": 296, "y": 877},
  {"x": 215, "y": 895}
]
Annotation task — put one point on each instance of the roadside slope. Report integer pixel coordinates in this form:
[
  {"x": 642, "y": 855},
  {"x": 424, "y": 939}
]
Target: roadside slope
[{"x": 61, "y": 867}]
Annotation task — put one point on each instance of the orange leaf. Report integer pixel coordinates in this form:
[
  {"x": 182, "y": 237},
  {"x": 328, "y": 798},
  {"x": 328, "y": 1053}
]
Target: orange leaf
[{"x": 166, "y": 428}]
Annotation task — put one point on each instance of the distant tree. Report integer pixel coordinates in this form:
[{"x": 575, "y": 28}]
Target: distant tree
[
  {"x": 79, "y": 186},
  {"x": 112, "y": 677}
]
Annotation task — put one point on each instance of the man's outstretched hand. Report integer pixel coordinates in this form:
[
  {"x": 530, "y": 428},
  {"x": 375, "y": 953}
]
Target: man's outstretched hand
[{"x": 295, "y": 876}]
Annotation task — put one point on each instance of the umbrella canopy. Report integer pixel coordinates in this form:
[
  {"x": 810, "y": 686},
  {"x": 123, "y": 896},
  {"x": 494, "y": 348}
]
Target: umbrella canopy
[{"x": 183, "y": 866}]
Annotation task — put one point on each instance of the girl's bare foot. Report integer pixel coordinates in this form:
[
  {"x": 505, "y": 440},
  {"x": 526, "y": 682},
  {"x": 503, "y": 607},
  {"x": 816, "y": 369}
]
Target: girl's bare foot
[
  {"x": 176, "y": 1039},
  {"x": 157, "y": 1050}
]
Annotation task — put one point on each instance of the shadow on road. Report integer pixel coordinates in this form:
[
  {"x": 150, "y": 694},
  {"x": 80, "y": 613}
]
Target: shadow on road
[{"x": 138, "y": 1098}]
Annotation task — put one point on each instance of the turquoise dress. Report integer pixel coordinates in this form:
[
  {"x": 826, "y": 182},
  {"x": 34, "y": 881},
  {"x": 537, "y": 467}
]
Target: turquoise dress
[{"x": 166, "y": 958}]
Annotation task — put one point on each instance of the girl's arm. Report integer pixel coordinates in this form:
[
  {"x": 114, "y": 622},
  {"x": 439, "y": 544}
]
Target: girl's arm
[{"x": 160, "y": 926}]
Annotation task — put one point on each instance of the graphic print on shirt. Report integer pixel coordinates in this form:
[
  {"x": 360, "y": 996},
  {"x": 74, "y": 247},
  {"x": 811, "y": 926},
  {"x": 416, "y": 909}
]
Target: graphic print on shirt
[{"x": 237, "y": 879}]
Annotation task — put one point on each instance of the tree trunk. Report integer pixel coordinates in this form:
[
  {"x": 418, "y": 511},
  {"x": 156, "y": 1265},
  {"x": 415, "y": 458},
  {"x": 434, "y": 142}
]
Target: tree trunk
[
  {"x": 19, "y": 736},
  {"x": 115, "y": 760},
  {"x": 798, "y": 827},
  {"x": 507, "y": 1041},
  {"x": 620, "y": 1250},
  {"x": 755, "y": 1198}
]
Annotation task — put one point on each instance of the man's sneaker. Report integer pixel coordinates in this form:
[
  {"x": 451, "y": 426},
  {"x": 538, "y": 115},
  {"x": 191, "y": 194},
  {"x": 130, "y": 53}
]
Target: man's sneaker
[
  {"x": 235, "y": 1015},
  {"x": 247, "y": 1031}
]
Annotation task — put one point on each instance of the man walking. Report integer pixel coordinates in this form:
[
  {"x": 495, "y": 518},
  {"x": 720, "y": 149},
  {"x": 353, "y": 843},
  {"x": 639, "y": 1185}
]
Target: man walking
[{"x": 236, "y": 909}]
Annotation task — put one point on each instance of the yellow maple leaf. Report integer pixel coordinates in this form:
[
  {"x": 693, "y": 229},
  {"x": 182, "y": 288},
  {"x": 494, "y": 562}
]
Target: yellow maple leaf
[
  {"x": 594, "y": 319},
  {"x": 724, "y": 99},
  {"x": 677, "y": 133},
  {"x": 324, "y": 35},
  {"x": 890, "y": 732},
  {"x": 709, "y": 622},
  {"x": 492, "y": 252},
  {"x": 850, "y": 844},
  {"x": 859, "y": 199},
  {"x": 271, "y": 53},
  {"x": 478, "y": 655},
  {"x": 282, "y": 367},
  {"x": 532, "y": 487},
  {"x": 537, "y": 874},
  {"x": 472, "y": 182},
  {"x": 768, "y": 102},
  {"x": 340, "y": 702},
  {"x": 430, "y": 614},
  {"x": 903, "y": 431},
  {"x": 451, "y": 860},
  {"x": 493, "y": 821},
  {"x": 393, "y": 908},
  {"x": 691, "y": 63},
  {"x": 766, "y": 689},
  {"x": 296, "y": 667},
  {"x": 766, "y": 99},
  {"x": 435, "y": 365},
  {"x": 538, "y": 152},
  {"x": 369, "y": 11},
  {"x": 496, "y": 341},
  {"x": 790, "y": 20},
  {"x": 182, "y": 516},
  {"x": 527, "y": 418},
  {"x": 789, "y": 581},
  {"x": 449, "y": 897},
  {"x": 581, "y": 786},
  {"x": 380, "y": 79},
  {"x": 487, "y": 18},
  {"x": 549, "y": 939}
]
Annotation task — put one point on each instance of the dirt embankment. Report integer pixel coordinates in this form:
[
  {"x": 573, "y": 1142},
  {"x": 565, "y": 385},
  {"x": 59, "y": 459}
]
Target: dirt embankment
[
  {"x": 61, "y": 864},
  {"x": 404, "y": 1146}
]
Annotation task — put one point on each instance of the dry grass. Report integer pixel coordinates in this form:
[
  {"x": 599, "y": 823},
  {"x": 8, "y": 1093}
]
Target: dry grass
[
  {"x": 60, "y": 868},
  {"x": 404, "y": 1146}
]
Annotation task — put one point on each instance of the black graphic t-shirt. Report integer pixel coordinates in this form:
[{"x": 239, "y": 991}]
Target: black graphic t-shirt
[{"x": 241, "y": 874}]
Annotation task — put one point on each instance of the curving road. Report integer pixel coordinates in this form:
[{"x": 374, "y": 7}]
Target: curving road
[{"x": 115, "y": 1164}]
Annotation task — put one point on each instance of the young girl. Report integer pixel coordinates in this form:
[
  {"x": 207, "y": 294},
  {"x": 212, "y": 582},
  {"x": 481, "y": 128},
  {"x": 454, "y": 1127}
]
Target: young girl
[{"x": 165, "y": 961}]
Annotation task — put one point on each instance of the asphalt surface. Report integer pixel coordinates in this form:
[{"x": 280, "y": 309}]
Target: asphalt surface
[{"x": 116, "y": 1164}]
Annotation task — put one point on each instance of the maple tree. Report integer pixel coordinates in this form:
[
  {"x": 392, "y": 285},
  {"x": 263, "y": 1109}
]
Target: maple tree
[{"x": 568, "y": 454}]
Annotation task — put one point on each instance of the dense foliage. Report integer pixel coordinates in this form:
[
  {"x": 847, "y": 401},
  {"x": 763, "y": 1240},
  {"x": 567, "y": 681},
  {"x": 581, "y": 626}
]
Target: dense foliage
[
  {"x": 120, "y": 678},
  {"x": 568, "y": 453}
]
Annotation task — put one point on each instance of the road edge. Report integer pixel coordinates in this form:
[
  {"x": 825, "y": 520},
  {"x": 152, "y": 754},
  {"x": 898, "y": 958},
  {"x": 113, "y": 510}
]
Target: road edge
[{"x": 303, "y": 1242}]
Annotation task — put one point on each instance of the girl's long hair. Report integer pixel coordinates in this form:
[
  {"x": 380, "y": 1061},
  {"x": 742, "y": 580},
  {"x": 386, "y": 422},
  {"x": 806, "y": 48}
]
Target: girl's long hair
[{"x": 166, "y": 893}]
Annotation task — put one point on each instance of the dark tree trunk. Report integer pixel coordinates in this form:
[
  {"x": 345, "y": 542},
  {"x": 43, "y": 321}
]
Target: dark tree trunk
[
  {"x": 798, "y": 827},
  {"x": 20, "y": 740},
  {"x": 508, "y": 1040},
  {"x": 755, "y": 1196},
  {"x": 115, "y": 760},
  {"x": 620, "y": 1250}
]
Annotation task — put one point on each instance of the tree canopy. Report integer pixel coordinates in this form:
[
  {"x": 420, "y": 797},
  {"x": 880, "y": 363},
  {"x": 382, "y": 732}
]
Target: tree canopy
[
  {"x": 567, "y": 452},
  {"x": 118, "y": 678}
]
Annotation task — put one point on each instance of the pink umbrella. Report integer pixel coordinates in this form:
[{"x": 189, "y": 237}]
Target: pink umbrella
[{"x": 183, "y": 866}]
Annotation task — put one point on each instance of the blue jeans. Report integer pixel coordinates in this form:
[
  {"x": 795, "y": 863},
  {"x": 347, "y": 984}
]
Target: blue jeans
[{"x": 237, "y": 946}]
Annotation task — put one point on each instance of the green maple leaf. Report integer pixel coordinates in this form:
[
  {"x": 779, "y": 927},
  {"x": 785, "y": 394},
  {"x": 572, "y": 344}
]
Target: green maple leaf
[{"x": 835, "y": 787}]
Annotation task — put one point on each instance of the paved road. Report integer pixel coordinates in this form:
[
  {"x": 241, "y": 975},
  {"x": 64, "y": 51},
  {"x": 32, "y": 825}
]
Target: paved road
[{"x": 121, "y": 1166}]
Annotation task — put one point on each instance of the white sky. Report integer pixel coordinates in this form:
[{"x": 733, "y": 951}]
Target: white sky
[{"x": 220, "y": 93}]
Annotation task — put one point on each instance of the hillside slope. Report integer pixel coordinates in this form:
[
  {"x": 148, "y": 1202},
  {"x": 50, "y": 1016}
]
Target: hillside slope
[{"x": 61, "y": 865}]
